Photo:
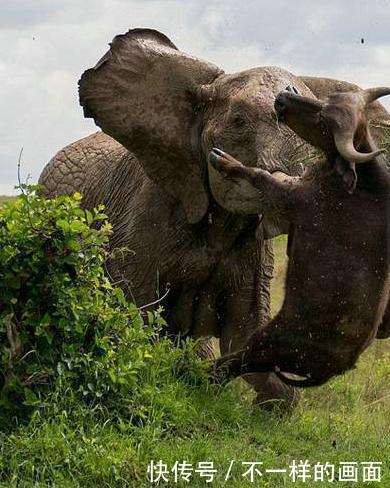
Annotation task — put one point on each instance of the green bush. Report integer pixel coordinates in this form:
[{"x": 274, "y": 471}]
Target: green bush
[{"x": 65, "y": 331}]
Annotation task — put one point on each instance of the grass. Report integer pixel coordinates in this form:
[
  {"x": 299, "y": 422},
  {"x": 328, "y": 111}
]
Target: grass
[{"x": 345, "y": 420}]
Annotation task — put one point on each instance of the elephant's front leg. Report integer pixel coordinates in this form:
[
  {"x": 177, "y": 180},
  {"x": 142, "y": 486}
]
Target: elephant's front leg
[{"x": 245, "y": 310}]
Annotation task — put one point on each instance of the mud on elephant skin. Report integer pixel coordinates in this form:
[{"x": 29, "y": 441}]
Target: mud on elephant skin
[
  {"x": 162, "y": 111},
  {"x": 338, "y": 276}
]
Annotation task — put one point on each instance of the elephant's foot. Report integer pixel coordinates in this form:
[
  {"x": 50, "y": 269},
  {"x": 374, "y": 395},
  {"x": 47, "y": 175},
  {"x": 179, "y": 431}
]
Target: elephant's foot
[{"x": 272, "y": 394}]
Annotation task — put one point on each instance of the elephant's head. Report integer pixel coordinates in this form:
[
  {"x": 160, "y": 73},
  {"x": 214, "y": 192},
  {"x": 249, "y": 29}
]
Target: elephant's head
[{"x": 170, "y": 109}]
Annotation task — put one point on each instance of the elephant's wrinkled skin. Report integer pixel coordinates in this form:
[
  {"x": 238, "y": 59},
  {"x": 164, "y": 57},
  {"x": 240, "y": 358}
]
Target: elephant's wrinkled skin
[
  {"x": 164, "y": 110},
  {"x": 338, "y": 276}
]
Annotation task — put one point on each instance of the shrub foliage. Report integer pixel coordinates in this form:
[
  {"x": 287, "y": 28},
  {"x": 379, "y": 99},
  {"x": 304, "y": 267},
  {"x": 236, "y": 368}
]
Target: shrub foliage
[{"x": 64, "y": 328}]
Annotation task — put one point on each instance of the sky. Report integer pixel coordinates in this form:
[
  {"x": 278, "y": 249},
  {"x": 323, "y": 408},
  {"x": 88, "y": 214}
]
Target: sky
[{"x": 47, "y": 44}]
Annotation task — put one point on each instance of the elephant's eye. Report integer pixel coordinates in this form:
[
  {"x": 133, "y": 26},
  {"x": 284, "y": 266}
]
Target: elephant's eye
[
  {"x": 238, "y": 120},
  {"x": 292, "y": 89}
]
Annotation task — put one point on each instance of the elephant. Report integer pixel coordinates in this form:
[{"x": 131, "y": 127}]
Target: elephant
[
  {"x": 338, "y": 276},
  {"x": 161, "y": 111}
]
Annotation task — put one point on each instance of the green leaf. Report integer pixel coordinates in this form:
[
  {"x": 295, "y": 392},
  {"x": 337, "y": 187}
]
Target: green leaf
[
  {"x": 78, "y": 226},
  {"x": 63, "y": 224}
]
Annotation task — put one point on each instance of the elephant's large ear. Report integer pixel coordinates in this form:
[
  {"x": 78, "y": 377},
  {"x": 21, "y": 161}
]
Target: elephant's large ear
[{"x": 141, "y": 93}]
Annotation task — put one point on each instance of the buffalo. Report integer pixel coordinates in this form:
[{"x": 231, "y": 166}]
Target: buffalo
[{"x": 338, "y": 278}]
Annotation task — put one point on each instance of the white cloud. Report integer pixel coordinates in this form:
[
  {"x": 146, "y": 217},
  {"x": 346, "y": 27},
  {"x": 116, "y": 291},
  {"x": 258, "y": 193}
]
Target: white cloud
[{"x": 47, "y": 44}]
